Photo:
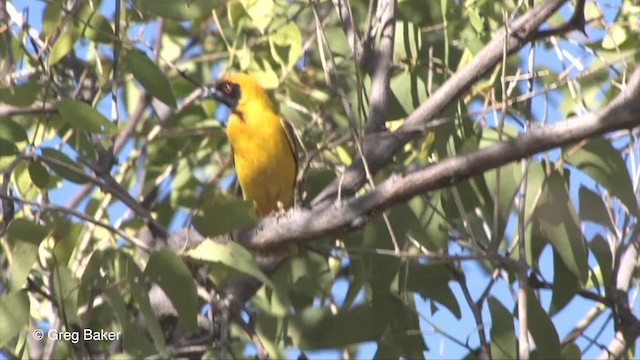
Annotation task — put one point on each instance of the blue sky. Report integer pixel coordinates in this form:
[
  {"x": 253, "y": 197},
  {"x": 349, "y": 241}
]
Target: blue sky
[{"x": 440, "y": 346}]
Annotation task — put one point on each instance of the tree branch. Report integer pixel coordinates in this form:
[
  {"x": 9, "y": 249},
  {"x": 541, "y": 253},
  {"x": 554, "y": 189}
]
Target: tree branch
[
  {"x": 627, "y": 325},
  {"x": 380, "y": 152},
  {"x": 383, "y": 64},
  {"x": 301, "y": 225}
]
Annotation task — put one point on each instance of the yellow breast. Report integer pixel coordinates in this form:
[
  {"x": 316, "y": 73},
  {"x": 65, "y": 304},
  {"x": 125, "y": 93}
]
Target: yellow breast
[{"x": 263, "y": 157}]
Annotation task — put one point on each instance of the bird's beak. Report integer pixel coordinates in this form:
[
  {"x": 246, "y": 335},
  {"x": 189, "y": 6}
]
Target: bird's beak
[
  {"x": 217, "y": 95},
  {"x": 211, "y": 92}
]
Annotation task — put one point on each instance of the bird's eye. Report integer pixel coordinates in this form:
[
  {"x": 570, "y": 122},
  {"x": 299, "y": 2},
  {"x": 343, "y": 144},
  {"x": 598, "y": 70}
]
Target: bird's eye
[{"x": 227, "y": 88}]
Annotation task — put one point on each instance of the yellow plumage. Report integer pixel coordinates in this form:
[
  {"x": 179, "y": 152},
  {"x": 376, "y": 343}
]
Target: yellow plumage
[{"x": 262, "y": 152}]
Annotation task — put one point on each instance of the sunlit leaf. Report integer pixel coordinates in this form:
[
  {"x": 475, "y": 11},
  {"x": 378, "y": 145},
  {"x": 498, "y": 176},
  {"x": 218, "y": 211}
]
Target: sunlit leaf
[
  {"x": 286, "y": 44},
  {"x": 11, "y": 131},
  {"x": 260, "y": 11},
  {"x": 181, "y": 10},
  {"x": 232, "y": 255},
  {"x": 25, "y": 238},
  {"x": 65, "y": 290},
  {"x": 62, "y": 46},
  {"x": 14, "y": 312},
  {"x": 616, "y": 36}
]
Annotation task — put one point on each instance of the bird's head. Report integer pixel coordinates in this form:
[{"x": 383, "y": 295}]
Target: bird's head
[{"x": 237, "y": 90}]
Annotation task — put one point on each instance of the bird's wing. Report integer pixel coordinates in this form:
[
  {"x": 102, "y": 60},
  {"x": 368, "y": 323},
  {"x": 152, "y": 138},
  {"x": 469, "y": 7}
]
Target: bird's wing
[
  {"x": 237, "y": 190},
  {"x": 294, "y": 144}
]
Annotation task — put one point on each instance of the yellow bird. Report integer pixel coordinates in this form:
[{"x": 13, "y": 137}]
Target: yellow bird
[{"x": 263, "y": 150}]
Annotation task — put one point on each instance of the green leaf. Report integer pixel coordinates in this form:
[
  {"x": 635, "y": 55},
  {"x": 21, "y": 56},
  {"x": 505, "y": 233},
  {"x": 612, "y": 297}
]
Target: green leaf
[
  {"x": 592, "y": 208},
  {"x": 65, "y": 291},
  {"x": 66, "y": 235},
  {"x": 20, "y": 95},
  {"x": 94, "y": 26},
  {"x": 25, "y": 237},
  {"x": 616, "y": 36},
  {"x": 434, "y": 224},
  {"x": 224, "y": 214},
  {"x": 503, "y": 339},
  {"x": 14, "y": 312},
  {"x": 150, "y": 76},
  {"x": 232, "y": 255},
  {"x": 571, "y": 352},
  {"x": 11, "y": 131},
  {"x": 137, "y": 342},
  {"x": 39, "y": 175},
  {"x": 263, "y": 72},
  {"x": 180, "y": 10},
  {"x": 62, "y": 46},
  {"x": 169, "y": 271},
  {"x": 408, "y": 41},
  {"x": 409, "y": 90},
  {"x": 318, "y": 328},
  {"x": 399, "y": 339},
  {"x": 7, "y": 148},
  {"x": 140, "y": 293},
  {"x": 51, "y": 18},
  {"x": 82, "y": 116},
  {"x": 602, "y": 162},
  {"x": 565, "y": 284},
  {"x": 431, "y": 281},
  {"x": 602, "y": 253},
  {"x": 559, "y": 225},
  {"x": 64, "y": 171},
  {"x": 542, "y": 330},
  {"x": 305, "y": 277},
  {"x": 286, "y": 44},
  {"x": 260, "y": 11}
]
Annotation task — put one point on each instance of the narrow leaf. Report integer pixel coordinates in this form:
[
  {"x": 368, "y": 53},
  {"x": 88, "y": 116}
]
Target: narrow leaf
[
  {"x": 232, "y": 255},
  {"x": 14, "y": 312},
  {"x": 601, "y": 161},
  {"x": 70, "y": 172},
  {"x": 62, "y": 46},
  {"x": 503, "y": 339},
  {"x": 167, "y": 270},
  {"x": 82, "y": 116},
  {"x": 542, "y": 330},
  {"x": 592, "y": 208},
  {"x": 25, "y": 237},
  {"x": 150, "y": 76}
]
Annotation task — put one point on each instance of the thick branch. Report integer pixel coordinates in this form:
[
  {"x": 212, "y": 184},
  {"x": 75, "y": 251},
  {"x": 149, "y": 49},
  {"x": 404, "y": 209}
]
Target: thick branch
[
  {"x": 357, "y": 47},
  {"x": 275, "y": 233},
  {"x": 7, "y": 110},
  {"x": 626, "y": 323},
  {"x": 302, "y": 225},
  {"x": 381, "y": 73},
  {"x": 379, "y": 152}
]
